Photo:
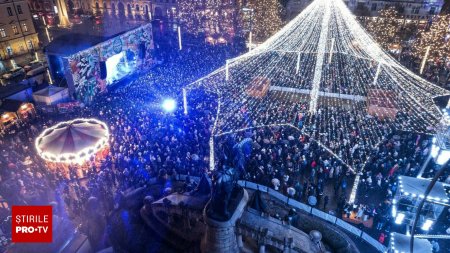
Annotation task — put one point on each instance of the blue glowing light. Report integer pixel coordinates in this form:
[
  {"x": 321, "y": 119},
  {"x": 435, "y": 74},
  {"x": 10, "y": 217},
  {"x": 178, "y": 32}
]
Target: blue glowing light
[{"x": 169, "y": 105}]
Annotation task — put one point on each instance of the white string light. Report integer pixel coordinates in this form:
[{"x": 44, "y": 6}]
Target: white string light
[{"x": 323, "y": 65}]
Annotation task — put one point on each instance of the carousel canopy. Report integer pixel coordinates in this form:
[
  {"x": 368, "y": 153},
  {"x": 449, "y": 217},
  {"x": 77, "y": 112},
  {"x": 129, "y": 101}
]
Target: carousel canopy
[{"x": 73, "y": 141}]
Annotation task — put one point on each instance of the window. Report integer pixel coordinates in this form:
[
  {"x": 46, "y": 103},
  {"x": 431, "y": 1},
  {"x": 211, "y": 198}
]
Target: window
[
  {"x": 25, "y": 27},
  {"x": 2, "y": 32},
  {"x": 374, "y": 7},
  {"x": 15, "y": 30},
  {"x": 9, "y": 51},
  {"x": 30, "y": 44},
  {"x": 19, "y": 9},
  {"x": 9, "y": 11},
  {"x": 416, "y": 10}
]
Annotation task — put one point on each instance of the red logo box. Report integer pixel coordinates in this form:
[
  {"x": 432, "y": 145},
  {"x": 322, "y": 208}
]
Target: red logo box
[{"x": 32, "y": 224}]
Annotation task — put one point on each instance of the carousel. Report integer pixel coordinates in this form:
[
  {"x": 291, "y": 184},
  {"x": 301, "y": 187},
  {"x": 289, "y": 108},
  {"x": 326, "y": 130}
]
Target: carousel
[{"x": 73, "y": 143}]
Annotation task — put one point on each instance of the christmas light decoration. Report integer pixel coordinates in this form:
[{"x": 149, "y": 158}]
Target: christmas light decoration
[
  {"x": 324, "y": 75},
  {"x": 185, "y": 104},
  {"x": 209, "y": 16},
  {"x": 180, "y": 46},
  {"x": 435, "y": 40},
  {"x": 384, "y": 28},
  {"x": 260, "y": 18},
  {"x": 72, "y": 142},
  {"x": 266, "y": 18}
]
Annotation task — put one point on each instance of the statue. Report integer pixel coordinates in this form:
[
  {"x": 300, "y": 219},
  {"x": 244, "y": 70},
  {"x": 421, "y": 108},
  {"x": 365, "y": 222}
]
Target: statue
[
  {"x": 224, "y": 181},
  {"x": 242, "y": 152}
]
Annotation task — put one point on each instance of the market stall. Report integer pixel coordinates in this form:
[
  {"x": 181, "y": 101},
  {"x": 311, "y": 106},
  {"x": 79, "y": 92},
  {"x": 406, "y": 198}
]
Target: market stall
[
  {"x": 14, "y": 111},
  {"x": 51, "y": 95},
  {"x": 8, "y": 119},
  {"x": 26, "y": 111}
]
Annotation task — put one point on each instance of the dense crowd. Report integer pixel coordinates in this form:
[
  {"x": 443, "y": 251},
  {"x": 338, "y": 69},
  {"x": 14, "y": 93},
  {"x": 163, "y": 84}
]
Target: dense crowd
[
  {"x": 315, "y": 165},
  {"x": 146, "y": 141}
]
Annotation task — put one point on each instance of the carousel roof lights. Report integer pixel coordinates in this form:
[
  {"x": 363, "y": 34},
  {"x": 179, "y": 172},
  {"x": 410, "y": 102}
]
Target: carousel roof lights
[
  {"x": 325, "y": 61},
  {"x": 72, "y": 142}
]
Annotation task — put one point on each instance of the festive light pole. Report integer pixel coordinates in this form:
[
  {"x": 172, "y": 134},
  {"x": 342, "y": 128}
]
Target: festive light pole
[
  {"x": 422, "y": 66},
  {"x": 227, "y": 72},
  {"x": 377, "y": 74},
  {"x": 180, "y": 46},
  {"x": 185, "y": 104}
]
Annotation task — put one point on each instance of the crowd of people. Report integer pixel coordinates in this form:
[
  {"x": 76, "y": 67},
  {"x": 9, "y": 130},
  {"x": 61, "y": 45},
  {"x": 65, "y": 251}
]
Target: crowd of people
[
  {"x": 146, "y": 141},
  {"x": 313, "y": 156}
]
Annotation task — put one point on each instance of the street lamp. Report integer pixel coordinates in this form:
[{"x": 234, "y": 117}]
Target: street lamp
[
  {"x": 440, "y": 151},
  {"x": 251, "y": 11}
]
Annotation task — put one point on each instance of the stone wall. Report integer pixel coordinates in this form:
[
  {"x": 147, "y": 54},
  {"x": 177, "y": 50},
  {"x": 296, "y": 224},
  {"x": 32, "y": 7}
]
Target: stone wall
[{"x": 332, "y": 236}]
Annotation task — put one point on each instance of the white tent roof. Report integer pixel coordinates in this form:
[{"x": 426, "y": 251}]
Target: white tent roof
[
  {"x": 416, "y": 187},
  {"x": 400, "y": 243},
  {"x": 48, "y": 91}
]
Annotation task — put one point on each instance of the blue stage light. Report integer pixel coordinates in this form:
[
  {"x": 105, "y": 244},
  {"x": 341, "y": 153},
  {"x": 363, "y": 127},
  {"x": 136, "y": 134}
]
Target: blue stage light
[{"x": 169, "y": 105}]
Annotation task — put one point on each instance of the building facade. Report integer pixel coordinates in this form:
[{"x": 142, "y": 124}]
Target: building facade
[
  {"x": 17, "y": 33},
  {"x": 165, "y": 9},
  {"x": 132, "y": 9},
  {"x": 413, "y": 10},
  {"x": 409, "y": 9}
]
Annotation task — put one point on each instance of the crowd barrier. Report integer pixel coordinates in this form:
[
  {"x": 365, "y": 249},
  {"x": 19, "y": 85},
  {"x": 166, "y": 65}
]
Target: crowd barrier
[{"x": 306, "y": 208}]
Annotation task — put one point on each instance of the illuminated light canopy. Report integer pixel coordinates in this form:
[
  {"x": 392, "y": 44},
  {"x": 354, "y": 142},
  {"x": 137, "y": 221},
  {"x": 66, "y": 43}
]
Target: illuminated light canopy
[
  {"x": 72, "y": 142},
  {"x": 324, "y": 68},
  {"x": 169, "y": 105}
]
